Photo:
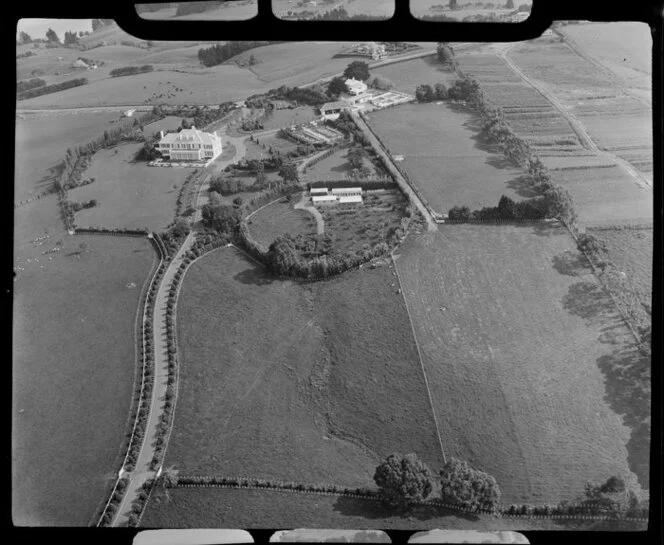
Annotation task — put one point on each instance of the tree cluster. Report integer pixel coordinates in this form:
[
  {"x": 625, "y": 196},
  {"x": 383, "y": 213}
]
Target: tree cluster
[
  {"x": 336, "y": 87},
  {"x": 53, "y": 88},
  {"x": 403, "y": 480},
  {"x": 358, "y": 70},
  {"x": 218, "y": 53},
  {"x": 427, "y": 93},
  {"x": 71, "y": 38},
  {"x": 131, "y": 70},
  {"x": 26, "y": 85},
  {"x": 379, "y": 82}
]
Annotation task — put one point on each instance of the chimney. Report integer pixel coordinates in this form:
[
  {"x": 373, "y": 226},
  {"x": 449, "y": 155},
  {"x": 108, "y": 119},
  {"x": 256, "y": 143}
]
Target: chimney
[{"x": 161, "y": 134}]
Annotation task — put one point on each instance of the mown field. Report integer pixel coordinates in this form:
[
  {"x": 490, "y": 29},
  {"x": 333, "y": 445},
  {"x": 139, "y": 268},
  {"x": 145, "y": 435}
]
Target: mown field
[
  {"x": 73, "y": 365},
  {"x": 444, "y": 156},
  {"x": 130, "y": 194},
  {"x": 42, "y": 141},
  {"x": 279, "y": 394},
  {"x": 531, "y": 368},
  {"x": 287, "y": 117},
  {"x": 606, "y": 196},
  {"x": 280, "y": 218},
  {"x": 631, "y": 250}
]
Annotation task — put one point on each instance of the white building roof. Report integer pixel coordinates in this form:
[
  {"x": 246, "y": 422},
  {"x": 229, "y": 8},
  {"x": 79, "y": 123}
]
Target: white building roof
[
  {"x": 337, "y": 190},
  {"x": 318, "y": 190},
  {"x": 333, "y": 106},
  {"x": 192, "y": 135},
  {"x": 323, "y": 198},
  {"x": 350, "y": 199},
  {"x": 356, "y": 85}
]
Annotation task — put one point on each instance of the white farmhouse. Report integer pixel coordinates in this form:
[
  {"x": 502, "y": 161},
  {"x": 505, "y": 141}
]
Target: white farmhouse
[
  {"x": 355, "y": 86},
  {"x": 190, "y": 145}
]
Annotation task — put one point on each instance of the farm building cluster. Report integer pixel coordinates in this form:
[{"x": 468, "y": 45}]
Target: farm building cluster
[
  {"x": 365, "y": 100},
  {"x": 341, "y": 195}
]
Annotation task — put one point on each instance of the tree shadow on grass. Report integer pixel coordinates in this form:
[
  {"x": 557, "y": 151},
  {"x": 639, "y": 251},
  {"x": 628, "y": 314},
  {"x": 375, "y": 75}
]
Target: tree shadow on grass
[
  {"x": 587, "y": 300},
  {"x": 571, "y": 263},
  {"x": 376, "y": 510},
  {"x": 254, "y": 277},
  {"x": 521, "y": 187},
  {"x": 627, "y": 382}
]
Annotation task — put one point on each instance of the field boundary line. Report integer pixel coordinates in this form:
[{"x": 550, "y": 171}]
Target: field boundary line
[
  {"x": 307, "y": 488},
  {"x": 419, "y": 353}
]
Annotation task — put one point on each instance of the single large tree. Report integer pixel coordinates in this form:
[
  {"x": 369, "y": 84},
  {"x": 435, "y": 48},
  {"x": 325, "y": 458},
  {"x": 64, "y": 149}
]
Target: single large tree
[
  {"x": 403, "y": 479},
  {"x": 453, "y": 4},
  {"x": 462, "y": 485},
  {"x": 425, "y": 93},
  {"x": 509, "y": 4},
  {"x": 24, "y": 37},
  {"x": 288, "y": 172},
  {"x": 356, "y": 157},
  {"x": 51, "y": 36},
  {"x": 358, "y": 70},
  {"x": 337, "y": 87},
  {"x": 445, "y": 53}
]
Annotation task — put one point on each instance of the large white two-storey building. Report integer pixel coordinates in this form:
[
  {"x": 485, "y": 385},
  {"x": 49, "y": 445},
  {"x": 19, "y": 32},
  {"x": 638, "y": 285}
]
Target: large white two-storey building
[{"x": 190, "y": 145}]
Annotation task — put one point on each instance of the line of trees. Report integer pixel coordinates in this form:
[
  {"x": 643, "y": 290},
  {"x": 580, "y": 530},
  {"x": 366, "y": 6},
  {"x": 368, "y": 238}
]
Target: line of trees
[
  {"x": 26, "y": 85},
  {"x": 131, "y": 70},
  {"x": 53, "y": 88}
]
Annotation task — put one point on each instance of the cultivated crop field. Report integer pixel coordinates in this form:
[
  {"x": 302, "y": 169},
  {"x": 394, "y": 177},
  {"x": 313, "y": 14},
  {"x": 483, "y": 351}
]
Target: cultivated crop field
[
  {"x": 407, "y": 75},
  {"x": 444, "y": 157},
  {"x": 527, "y": 355},
  {"x": 280, "y": 218},
  {"x": 130, "y": 194},
  {"x": 606, "y": 196},
  {"x": 631, "y": 250},
  {"x": 73, "y": 366}
]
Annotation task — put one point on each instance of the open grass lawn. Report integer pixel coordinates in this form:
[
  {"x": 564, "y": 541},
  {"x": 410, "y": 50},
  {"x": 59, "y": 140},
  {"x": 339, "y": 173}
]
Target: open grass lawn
[
  {"x": 42, "y": 141},
  {"x": 444, "y": 157},
  {"x": 73, "y": 365},
  {"x": 353, "y": 226},
  {"x": 533, "y": 373},
  {"x": 407, "y": 75},
  {"x": 631, "y": 250},
  {"x": 130, "y": 195},
  {"x": 248, "y": 347},
  {"x": 333, "y": 167},
  {"x": 169, "y": 123},
  {"x": 279, "y": 218},
  {"x": 606, "y": 196}
]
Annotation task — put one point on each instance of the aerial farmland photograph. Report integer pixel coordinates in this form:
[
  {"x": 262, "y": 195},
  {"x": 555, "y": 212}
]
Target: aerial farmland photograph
[{"x": 339, "y": 285}]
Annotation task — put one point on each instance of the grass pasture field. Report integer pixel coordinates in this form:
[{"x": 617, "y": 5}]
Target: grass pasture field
[
  {"x": 73, "y": 365},
  {"x": 333, "y": 167},
  {"x": 281, "y": 395},
  {"x": 631, "y": 250},
  {"x": 130, "y": 194},
  {"x": 245, "y": 400},
  {"x": 226, "y": 11},
  {"x": 444, "y": 157},
  {"x": 526, "y": 358},
  {"x": 279, "y": 218},
  {"x": 287, "y": 117},
  {"x": 606, "y": 196},
  {"x": 42, "y": 141}
]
